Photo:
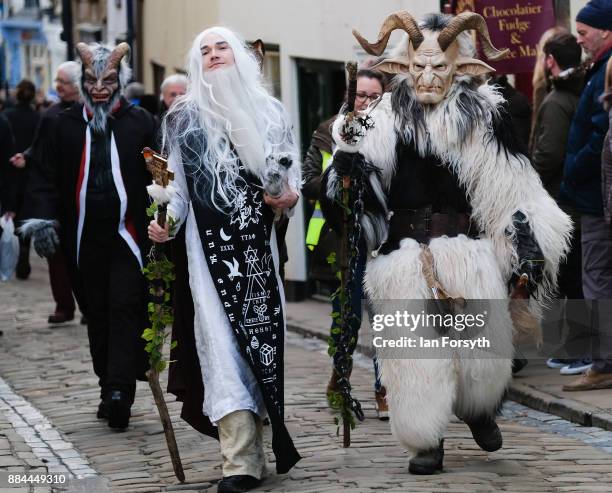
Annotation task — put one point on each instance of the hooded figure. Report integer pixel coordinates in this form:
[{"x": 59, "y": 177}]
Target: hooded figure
[
  {"x": 452, "y": 212},
  {"x": 88, "y": 187}
]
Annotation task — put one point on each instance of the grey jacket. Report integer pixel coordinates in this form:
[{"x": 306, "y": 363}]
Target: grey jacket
[{"x": 551, "y": 131}]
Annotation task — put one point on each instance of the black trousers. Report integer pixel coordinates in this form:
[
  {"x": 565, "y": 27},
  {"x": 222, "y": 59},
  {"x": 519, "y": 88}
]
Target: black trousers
[
  {"x": 23, "y": 268},
  {"x": 115, "y": 290},
  {"x": 567, "y": 322}
]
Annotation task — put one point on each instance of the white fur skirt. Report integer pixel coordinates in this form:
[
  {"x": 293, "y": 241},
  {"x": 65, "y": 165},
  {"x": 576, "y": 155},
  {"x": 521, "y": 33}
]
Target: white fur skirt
[{"x": 423, "y": 393}]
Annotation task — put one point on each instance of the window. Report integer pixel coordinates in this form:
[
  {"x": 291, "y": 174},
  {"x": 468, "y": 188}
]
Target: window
[
  {"x": 159, "y": 74},
  {"x": 271, "y": 69}
]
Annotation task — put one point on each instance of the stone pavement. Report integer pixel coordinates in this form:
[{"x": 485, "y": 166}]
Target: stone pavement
[
  {"x": 49, "y": 370},
  {"x": 536, "y": 386},
  {"x": 16, "y": 456}
]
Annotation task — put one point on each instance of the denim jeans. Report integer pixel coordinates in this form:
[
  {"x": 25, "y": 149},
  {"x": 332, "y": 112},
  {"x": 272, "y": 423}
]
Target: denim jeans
[{"x": 356, "y": 296}]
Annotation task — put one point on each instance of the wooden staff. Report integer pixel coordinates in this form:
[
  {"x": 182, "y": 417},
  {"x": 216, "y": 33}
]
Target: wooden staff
[{"x": 158, "y": 166}]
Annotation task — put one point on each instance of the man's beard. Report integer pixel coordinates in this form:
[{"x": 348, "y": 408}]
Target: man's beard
[
  {"x": 232, "y": 103},
  {"x": 100, "y": 111}
]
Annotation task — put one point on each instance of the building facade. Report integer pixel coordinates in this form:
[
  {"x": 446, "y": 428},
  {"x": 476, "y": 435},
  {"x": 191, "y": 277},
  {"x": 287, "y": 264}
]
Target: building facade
[{"x": 30, "y": 41}]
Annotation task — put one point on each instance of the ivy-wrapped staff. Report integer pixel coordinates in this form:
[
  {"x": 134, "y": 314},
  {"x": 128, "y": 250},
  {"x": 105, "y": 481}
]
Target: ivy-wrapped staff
[
  {"x": 342, "y": 400},
  {"x": 160, "y": 273}
]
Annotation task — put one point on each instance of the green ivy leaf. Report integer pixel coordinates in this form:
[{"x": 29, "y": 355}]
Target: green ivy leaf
[
  {"x": 152, "y": 209},
  {"x": 148, "y": 334}
]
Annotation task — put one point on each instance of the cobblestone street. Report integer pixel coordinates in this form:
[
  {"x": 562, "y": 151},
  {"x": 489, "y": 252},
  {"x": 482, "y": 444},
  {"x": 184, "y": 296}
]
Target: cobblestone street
[{"x": 49, "y": 396}]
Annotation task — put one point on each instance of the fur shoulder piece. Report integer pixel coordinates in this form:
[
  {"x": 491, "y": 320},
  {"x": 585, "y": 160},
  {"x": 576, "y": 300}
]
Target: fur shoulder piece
[
  {"x": 471, "y": 133},
  {"x": 468, "y": 106}
]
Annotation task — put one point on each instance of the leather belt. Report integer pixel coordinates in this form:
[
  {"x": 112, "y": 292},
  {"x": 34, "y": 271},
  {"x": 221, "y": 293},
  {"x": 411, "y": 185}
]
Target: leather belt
[{"x": 423, "y": 225}]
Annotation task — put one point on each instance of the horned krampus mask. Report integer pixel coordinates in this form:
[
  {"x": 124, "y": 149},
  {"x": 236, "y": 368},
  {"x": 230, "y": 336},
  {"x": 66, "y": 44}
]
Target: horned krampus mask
[
  {"x": 434, "y": 57},
  {"x": 103, "y": 77}
]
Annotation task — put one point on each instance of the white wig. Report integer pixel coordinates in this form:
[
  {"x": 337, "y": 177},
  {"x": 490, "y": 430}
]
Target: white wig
[{"x": 196, "y": 130}]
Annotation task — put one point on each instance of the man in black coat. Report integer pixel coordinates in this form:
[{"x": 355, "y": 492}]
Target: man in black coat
[
  {"x": 6, "y": 151},
  {"x": 67, "y": 87},
  {"x": 24, "y": 120},
  {"x": 92, "y": 189}
]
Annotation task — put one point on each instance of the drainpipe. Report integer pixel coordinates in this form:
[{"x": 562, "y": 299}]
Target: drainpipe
[
  {"x": 66, "y": 34},
  {"x": 130, "y": 32}
]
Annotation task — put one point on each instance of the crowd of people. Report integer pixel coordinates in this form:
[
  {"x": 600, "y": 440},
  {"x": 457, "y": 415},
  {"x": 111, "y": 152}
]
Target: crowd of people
[
  {"x": 566, "y": 147},
  {"x": 455, "y": 194}
]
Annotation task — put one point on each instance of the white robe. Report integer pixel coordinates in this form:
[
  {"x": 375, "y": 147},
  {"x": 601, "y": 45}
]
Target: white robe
[{"x": 229, "y": 383}]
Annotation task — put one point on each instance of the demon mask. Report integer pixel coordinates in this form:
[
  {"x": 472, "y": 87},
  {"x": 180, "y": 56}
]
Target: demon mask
[
  {"x": 103, "y": 77},
  {"x": 434, "y": 57}
]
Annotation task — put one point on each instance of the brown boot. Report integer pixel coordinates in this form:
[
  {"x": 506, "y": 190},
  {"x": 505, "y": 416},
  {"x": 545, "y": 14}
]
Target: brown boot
[
  {"x": 591, "y": 380},
  {"x": 382, "y": 408},
  {"x": 332, "y": 385}
]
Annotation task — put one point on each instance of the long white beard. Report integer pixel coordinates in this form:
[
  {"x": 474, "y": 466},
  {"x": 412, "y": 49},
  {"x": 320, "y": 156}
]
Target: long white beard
[{"x": 232, "y": 103}]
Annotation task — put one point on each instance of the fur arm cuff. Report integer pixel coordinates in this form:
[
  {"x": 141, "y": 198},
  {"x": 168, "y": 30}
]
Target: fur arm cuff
[
  {"x": 43, "y": 234},
  {"x": 31, "y": 226}
]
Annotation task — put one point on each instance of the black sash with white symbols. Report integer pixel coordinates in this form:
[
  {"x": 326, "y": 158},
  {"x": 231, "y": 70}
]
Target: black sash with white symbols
[{"x": 239, "y": 256}]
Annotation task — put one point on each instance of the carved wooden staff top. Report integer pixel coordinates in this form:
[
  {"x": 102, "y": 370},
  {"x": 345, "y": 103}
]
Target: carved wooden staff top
[{"x": 158, "y": 167}]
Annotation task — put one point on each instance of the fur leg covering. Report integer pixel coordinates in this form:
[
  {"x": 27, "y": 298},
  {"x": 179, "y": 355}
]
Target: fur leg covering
[
  {"x": 423, "y": 393},
  {"x": 481, "y": 386},
  {"x": 468, "y": 268},
  {"x": 420, "y": 393}
]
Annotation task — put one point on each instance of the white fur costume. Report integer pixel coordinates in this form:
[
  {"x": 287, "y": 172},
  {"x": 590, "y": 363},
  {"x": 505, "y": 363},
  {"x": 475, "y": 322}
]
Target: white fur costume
[{"x": 422, "y": 393}]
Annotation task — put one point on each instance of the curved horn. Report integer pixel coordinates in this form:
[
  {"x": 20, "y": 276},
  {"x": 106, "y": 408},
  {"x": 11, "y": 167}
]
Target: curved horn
[
  {"x": 471, "y": 20},
  {"x": 117, "y": 54},
  {"x": 399, "y": 20},
  {"x": 85, "y": 53}
]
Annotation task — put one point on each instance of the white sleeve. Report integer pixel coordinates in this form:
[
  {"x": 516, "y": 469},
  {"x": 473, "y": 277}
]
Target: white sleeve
[{"x": 178, "y": 208}]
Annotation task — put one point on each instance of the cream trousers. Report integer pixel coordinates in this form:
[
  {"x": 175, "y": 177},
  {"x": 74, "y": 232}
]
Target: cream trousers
[{"x": 240, "y": 437}]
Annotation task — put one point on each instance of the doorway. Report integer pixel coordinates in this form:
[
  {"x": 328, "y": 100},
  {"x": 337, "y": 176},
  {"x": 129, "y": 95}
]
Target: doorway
[{"x": 321, "y": 88}]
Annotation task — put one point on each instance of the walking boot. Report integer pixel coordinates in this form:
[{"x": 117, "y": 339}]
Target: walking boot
[
  {"x": 332, "y": 387},
  {"x": 238, "y": 483},
  {"x": 591, "y": 380},
  {"x": 118, "y": 410},
  {"x": 486, "y": 433},
  {"x": 382, "y": 408},
  {"x": 60, "y": 317},
  {"x": 102, "y": 410},
  {"x": 427, "y": 461}
]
